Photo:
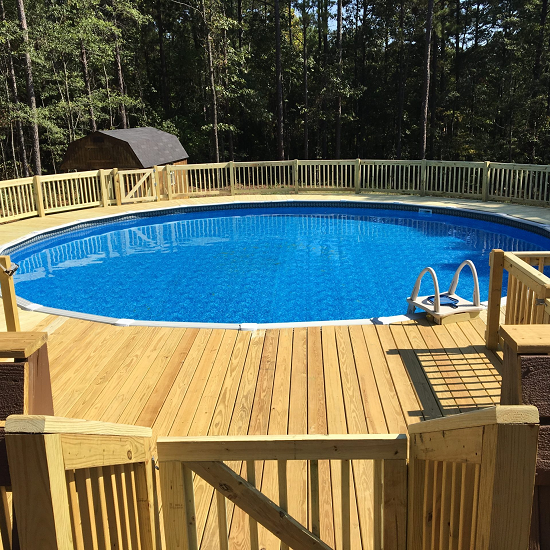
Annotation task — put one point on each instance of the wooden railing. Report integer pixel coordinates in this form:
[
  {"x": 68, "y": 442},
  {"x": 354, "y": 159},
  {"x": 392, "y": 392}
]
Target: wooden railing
[
  {"x": 471, "y": 480},
  {"x": 17, "y": 199},
  {"x": 523, "y": 183},
  {"x": 185, "y": 512},
  {"x": 81, "y": 485},
  {"x": 87, "y": 485},
  {"x": 528, "y": 292}
]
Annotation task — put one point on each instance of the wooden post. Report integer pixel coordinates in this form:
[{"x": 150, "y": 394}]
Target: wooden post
[
  {"x": 496, "y": 261},
  {"x": 232, "y": 176},
  {"x": 116, "y": 183},
  {"x": 156, "y": 182},
  {"x": 357, "y": 174},
  {"x": 169, "y": 178},
  {"x": 103, "y": 175},
  {"x": 295, "y": 176},
  {"x": 38, "y": 196},
  {"x": 485, "y": 182},
  {"x": 29, "y": 390},
  {"x": 423, "y": 176},
  {"x": 8, "y": 297},
  {"x": 506, "y": 486},
  {"x": 38, "y": 481}
]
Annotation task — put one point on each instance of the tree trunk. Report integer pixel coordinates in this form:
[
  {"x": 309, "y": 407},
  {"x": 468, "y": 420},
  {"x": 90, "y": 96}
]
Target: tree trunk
[
  {"x": 306, "y": 99},
  {"x": 426, "y": 86},
  {"x": 401, "y": 97},
  {"x": 88, "y": 86},
  {"x": 13, "y": 88},
  {"x": 240, "y": 22},
  {"x": 122, "y": 108},
  {"x": 163, "y": 72},
  {"x": 537, "y": 69},
  {"x": 214, "y": 106},
  {"x": 279, "y": 77},
  {"x": 108, "y": 97},
  {"x": 37, "y": 164},
  {"x": 72, "y": 134},
  {"x": 339, "y": 97}
]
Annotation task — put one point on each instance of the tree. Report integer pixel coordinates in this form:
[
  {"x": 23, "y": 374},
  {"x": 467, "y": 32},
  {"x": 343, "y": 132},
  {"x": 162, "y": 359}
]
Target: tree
[{"x": 426, "y": 84}]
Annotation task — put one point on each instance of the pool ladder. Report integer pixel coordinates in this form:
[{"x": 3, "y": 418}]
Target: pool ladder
[{"x": 454, "y": 308}]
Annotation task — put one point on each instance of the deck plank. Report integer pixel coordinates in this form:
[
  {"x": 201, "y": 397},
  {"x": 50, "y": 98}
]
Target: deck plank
[
  {"x": 370, "y": 393},
  {"x": 317, "y": 424},
  {"x": 297, "y": 424},
  {"x": 388, "y": 395}
]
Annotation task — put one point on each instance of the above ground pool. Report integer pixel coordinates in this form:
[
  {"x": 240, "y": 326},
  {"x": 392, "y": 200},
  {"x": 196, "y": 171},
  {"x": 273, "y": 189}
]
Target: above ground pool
[{"x": 290, "y": 261}]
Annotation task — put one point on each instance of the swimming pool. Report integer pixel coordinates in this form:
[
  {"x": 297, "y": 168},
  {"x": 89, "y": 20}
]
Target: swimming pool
[{"x": 289, "y": 261}]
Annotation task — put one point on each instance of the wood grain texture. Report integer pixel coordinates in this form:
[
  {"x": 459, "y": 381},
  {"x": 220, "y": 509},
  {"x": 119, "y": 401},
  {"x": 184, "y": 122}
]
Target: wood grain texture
[
  {"x": 39, "y": 424},
  {"x": 500, "y": 414}
]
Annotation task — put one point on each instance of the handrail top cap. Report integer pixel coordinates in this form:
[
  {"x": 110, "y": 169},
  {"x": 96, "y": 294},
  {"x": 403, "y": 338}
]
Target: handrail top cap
[
  {"x": 500, "y": 414},
  {"x": 20, "y": 345},
  {"x": 527, "y": 338},
  {"x": 39, "y": 424}
]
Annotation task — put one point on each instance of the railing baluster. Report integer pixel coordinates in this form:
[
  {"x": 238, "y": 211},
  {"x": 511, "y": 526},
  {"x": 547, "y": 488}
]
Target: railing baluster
[
  {"x": 315, "y": 503},
  {"x": 283, "y": 490},
  {"x": 222, "y": 521},
  {"x": 346, "y": 505},
  {"x": 190, "y": 508},
  {"x": 76, "y": 525},
  {"x": 251, "y": 478}
]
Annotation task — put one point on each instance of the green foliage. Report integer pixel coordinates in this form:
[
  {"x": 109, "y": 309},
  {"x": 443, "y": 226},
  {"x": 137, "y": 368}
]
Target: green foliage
[{"x": 490, "y": 76}]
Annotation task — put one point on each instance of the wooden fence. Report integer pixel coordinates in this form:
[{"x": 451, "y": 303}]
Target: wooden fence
[
  {"x": 522, "y": 183},
  {"x": 527, "y": 295}
]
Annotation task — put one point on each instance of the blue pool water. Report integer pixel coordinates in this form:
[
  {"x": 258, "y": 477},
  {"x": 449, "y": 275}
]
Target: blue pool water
[{"x": 260, "y": 265}]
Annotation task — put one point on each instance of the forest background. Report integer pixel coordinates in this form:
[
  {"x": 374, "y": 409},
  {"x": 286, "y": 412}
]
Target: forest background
[{"x": 278, "y": 79}]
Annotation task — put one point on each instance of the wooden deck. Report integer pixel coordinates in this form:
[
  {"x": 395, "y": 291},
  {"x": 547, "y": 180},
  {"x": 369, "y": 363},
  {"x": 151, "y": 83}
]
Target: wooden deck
[
  {"x": 334, "y": 380},
  {"x": 329, "y": 380}
]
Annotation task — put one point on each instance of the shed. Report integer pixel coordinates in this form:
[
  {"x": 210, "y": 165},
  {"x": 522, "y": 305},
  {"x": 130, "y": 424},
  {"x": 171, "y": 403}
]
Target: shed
[{"x": 124, "y": 149}]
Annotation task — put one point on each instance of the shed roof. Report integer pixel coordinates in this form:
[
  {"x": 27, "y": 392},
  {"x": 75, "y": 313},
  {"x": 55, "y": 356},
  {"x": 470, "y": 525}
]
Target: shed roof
[{"x": 151, "y": 146}]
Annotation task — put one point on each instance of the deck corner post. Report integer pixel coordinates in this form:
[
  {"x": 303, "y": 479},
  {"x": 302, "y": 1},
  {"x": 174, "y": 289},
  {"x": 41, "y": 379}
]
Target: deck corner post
[
  {"x": 423, "y": 177},
  {"x": 38, "y": 479},
  {"x": 38, "y": 196},
  {"x": 9, "y": 297},
  {"x": 116, "y": 183},
  {"x": 357, "y": 176},
  {"x": 485, "y": 182},
  {"x": 103, "y": 186},
  {"x": 496, "y": 261},
  {"x": 156, "y": 182},
  {"x": 506, "y": 485},
  {"x": 232, "y": 176},
  {"x": 295, "y": 176}
]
